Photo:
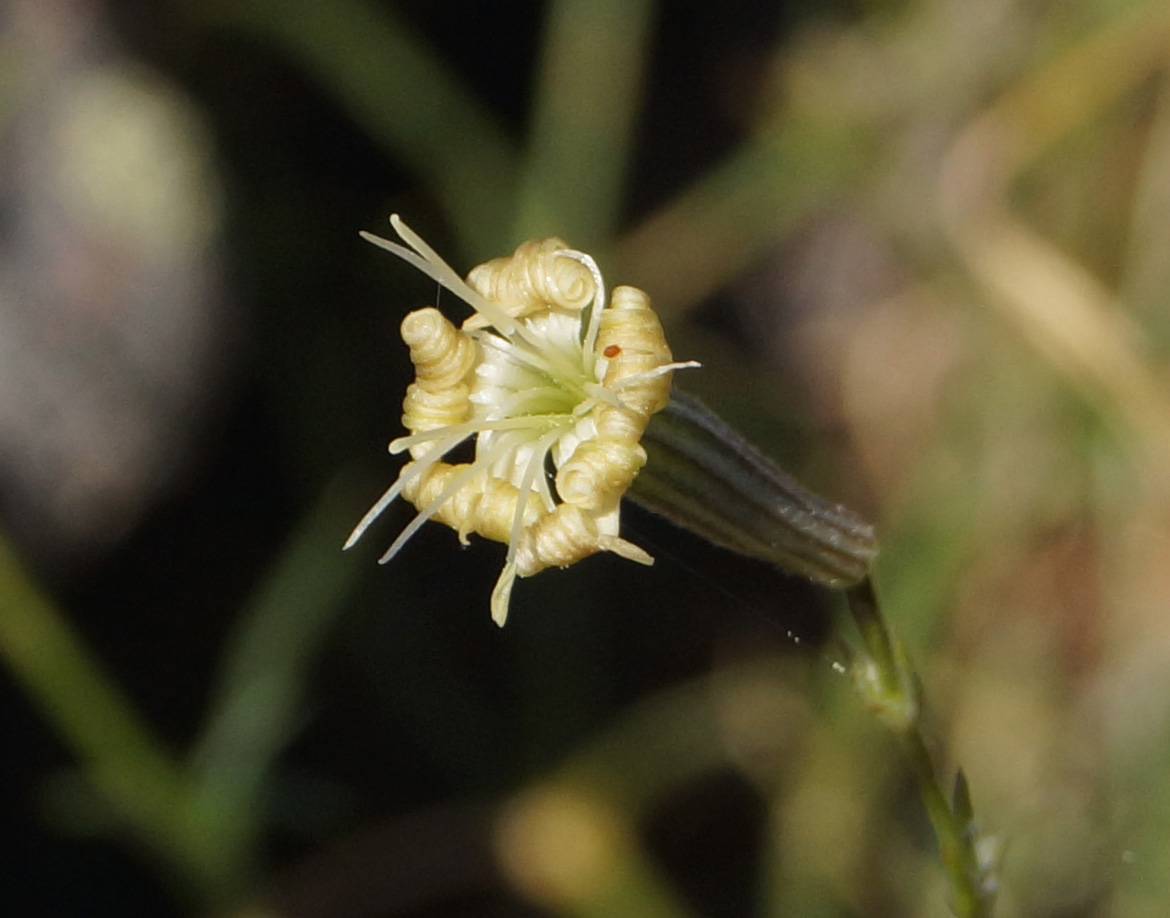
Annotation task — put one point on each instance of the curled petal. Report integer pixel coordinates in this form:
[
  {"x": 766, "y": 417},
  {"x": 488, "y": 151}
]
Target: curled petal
[
  {"x": 598, "y": 469},
  {"x": 441, "y": 355},
  {"x": 535, "y": 277},
  {"x": 632, "y": 340},
  {"x": 425, "y": 410}
]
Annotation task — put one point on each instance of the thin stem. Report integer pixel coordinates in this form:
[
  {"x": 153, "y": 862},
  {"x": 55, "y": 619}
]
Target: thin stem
[
  {"x": 867, "y": 616},
  {"x": 393, "y": 84},
  {"x": 116, "y": 750},
  {"x": 728, "y": 219},
  {"x": 969, "y": 895},
  {"x": 257, "y": 701},
  {"x": 890, "y": 688},
  {"x": 587, "y": 97}
]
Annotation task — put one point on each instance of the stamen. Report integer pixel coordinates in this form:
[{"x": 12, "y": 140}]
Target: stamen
[
  {"x": 515, "y": 441},
  {"x": 583, "y": 408},
  {"x": 372, "y": 514},
  {"x": 502, "y": 593},
  {"x": 535, "y": 463},
  {"x": 545, "y": 493},
  {"x": 602, "y": 393},
  {"x": 637, "y": 378},
  {"x": 436, "y": 267},
  {"x": 628, "y": 550},
  {"x": 443, "y": 274},
  {"x": 428, "y": 261},
  {"x": 446, "y": 494},
  {"x": 405, "y": 477},
  {"x": 590, "y": 341},
  {"x": 551, "y": 362},
  {"x": 439, "y": 433},
  {"x": 464, "y": 430},
  {"x": 547, "y": 401}
]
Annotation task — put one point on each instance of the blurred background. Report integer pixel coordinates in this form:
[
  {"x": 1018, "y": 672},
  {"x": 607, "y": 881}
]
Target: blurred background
[{"x": 922, "y": 249}]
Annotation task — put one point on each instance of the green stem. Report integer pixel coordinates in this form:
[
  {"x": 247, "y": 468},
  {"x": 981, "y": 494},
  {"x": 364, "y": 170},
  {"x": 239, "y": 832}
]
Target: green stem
[
  {"x": 587, "y": 97},
  {"x": 956, "y": 841},
  {"x": 396, "y": 87},
  {"x": 256, "y": 704},
  {"x": 875, "y": 635},
  {"x": 890, "y": 687},
  {"x": 97, "y": 722},
  {"x": 728, "y": 219}
]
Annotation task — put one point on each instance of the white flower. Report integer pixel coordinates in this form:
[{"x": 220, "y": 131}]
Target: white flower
[{"x": 556, "y": 386}]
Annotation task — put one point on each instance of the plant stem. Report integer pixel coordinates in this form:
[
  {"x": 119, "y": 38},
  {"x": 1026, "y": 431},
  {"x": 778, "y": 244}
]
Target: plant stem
[
  {"x": 256, "y": 703},
  {"x": 399, "y": 89},
  {"x": 102, "y": 728},
  {"x": 587, "y": 99},
  {"x": 890, "y": 687}
]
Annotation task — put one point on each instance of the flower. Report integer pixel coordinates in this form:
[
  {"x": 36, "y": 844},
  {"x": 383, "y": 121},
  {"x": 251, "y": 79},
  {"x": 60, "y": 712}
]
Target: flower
[{"x": 555, "y": 384}]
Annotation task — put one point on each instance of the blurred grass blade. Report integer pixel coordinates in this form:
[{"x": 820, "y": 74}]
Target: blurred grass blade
[
  {"x": 727, "y": 220},
  {"x": 589, "y": 89},
  {"x": 391, "y": 83},
  {"x": 705, "y": 477},
  {"x": 97, "y": 722},
  {"x": 259, "y": 696}
]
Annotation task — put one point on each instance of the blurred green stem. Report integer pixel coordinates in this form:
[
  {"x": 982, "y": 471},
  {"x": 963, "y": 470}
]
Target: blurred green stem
[
  {"x": 96, "y": 721},
  {"x": 204, "y": 826},
  {"x": 256, "y": 704},
  {"x": 401, "y": 92},
  {"x": 393, "y": 85},
  {"x": 588, "y": 92},
  {"x": 725, "y": 221},
  {"x": 890, "y": 688}
]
